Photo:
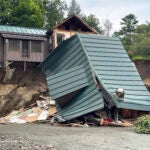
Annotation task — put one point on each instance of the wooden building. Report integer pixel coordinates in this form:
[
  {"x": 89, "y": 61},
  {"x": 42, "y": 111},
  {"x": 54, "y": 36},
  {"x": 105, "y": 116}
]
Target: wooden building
[
  {"x": 21, "y": 44},
  {"x": 68, "y": 27}
]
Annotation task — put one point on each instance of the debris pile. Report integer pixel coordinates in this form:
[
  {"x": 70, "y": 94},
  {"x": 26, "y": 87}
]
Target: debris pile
[
  {"x": 44, "y": 111},
  {"x": 98, "y": 118},
  {"x": 40, "y": 111}
]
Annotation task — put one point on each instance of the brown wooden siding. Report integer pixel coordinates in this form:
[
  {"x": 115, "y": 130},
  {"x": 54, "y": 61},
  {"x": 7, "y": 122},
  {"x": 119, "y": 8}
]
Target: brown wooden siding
[
  {"x": 66, "y": 34},
  {"x": 17, "y": 55},
  {"x": 1, "y": 49}
]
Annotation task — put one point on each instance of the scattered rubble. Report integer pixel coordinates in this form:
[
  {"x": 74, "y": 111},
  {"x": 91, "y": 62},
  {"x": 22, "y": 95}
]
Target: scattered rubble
[
  {"x": 41, "y": 112},
  {"x": 44, "y": 110}
]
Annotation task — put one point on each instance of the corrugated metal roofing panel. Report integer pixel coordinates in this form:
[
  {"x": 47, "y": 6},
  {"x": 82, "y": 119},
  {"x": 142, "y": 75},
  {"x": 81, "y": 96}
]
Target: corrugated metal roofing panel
[
  {"x": 68, "y": 55},
  {"x": 115, "y": 70},
  {"x": 22, "y": 30},
  {"x": 67, "y": 82}
]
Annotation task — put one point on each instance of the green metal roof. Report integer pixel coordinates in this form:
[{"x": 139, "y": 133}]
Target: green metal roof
[
  {"x": 114, "y": 70},
  {"x": 67, "y": 81},
  {"x": 21, "y": 30},
  {"x": 108, "y": 60},
  {"x": 70, "y": 60}
]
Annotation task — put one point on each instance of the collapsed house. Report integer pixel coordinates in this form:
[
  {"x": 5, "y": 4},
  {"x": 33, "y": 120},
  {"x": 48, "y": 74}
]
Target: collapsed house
[{"x": 85, "y": 70}]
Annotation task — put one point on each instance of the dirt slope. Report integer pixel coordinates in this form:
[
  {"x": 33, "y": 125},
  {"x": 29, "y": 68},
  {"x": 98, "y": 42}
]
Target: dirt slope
[
  {"x": 143, "y": 67},
  {"x": 22, "y": 90}
]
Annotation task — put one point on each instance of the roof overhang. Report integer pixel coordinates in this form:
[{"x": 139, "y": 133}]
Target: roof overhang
[
  {"x": 77, "y": 20},
  {"x": 28, "y": 37}
]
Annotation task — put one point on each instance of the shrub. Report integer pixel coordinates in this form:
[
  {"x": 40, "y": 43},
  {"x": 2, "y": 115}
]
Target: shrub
[{"x": 143, "y": 124}]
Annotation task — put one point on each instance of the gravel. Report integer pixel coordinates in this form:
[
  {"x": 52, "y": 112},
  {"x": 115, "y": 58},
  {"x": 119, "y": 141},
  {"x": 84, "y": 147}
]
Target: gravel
[
  {"x": 43, "y": 136},
  {"x": 11, "y": 142}
]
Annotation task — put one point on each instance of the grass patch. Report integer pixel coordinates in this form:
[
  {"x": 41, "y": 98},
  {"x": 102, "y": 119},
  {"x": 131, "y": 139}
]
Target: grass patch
[{"x": 140, "y": 58}]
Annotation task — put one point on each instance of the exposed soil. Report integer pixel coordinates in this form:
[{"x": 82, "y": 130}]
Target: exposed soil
[
  {"x": 22, "y": 90},
  {"x": 143, "y": 67}
]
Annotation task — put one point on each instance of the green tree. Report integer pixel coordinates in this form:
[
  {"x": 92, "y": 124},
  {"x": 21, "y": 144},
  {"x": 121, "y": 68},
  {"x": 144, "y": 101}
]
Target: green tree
[
  {"x": 140, "y": 46},
  {"x": 93, "y": 22},
  {"x": 28, "y": 13},
  {"x": 74, "y": 9},
  {"x": 55, "y": 10},
  {"x": 5, "y": 10},
  {"x": 128, "y": 24}
]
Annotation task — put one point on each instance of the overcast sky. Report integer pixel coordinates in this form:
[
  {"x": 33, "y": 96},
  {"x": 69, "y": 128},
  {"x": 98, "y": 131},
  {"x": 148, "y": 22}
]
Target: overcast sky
[{"x": 114, "y": 10}]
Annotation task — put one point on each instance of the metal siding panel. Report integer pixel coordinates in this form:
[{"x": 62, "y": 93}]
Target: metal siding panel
[
  {"x": 97, "y": 45},
  {"x": 22, "y": 30},
  {"x": 84, "y": 107},
  {"x": 110, "y": 59},
  {"x": 104, "y": 54},
  {"x": 82, "y": 101},
  {"x": 69, "y": 82},
  {"x": 91, "y": 36},
  {"x": 112, "y": 64},
  {"x": 67, "y": 55},
  {"x": 120, "y": 78},
  {"x": 115, "y": 70},
  {"x": 55, "y": 55},
  {"x": 106, "y": 50},
  {"x": 87, "y": 110},
  {"x": 117, "y": 73}
]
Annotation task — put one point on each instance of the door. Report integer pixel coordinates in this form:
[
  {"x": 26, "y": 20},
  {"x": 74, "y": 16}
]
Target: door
[{"x": 25, "y": 48}]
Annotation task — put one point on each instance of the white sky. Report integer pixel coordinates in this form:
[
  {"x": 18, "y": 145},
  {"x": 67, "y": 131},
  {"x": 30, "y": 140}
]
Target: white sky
[{"x": 114, "y": 10}]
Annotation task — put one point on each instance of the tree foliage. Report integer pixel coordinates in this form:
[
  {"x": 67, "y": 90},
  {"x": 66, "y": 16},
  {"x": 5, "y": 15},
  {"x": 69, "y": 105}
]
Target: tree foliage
[
  {"x": 55, "y": 10},
  {"x": 27, "y": 13},
  {"x": 93, "y": 22},
  {"x": 5, "y": 10},
  {"x": 141, "y": 39},
  {"x": 135, "y": 38},
  {"x": 74, "y": 9},
  {"x": 128, "y": 24}
]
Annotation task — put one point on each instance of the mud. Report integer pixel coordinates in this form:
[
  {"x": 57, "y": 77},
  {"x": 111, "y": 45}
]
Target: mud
[{"x": 22, "y": 90}]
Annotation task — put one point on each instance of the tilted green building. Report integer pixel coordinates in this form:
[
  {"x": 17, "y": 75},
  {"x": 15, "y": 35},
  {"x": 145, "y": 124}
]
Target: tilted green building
[{"x": 75, "y": 67}]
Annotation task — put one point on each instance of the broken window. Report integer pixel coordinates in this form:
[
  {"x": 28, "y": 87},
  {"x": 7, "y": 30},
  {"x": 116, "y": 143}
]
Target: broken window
[
  {"x": 36, "y": 46},
  {"x": 14, "y": 45},
  {"x": 25, "y": 48}
]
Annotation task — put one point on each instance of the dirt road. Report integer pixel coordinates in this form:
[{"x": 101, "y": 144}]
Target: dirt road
[{"x": 93, "y": 138}]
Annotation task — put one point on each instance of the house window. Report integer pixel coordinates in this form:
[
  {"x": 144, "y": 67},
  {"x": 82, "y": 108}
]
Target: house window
[
  {"x": 67, "y": 27},
  {"x": 14, "y": 45},
  {"x": 60, "y": 38},
  {"x": 36, "y": 46},
  {"x": 25, "y": 48}
]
